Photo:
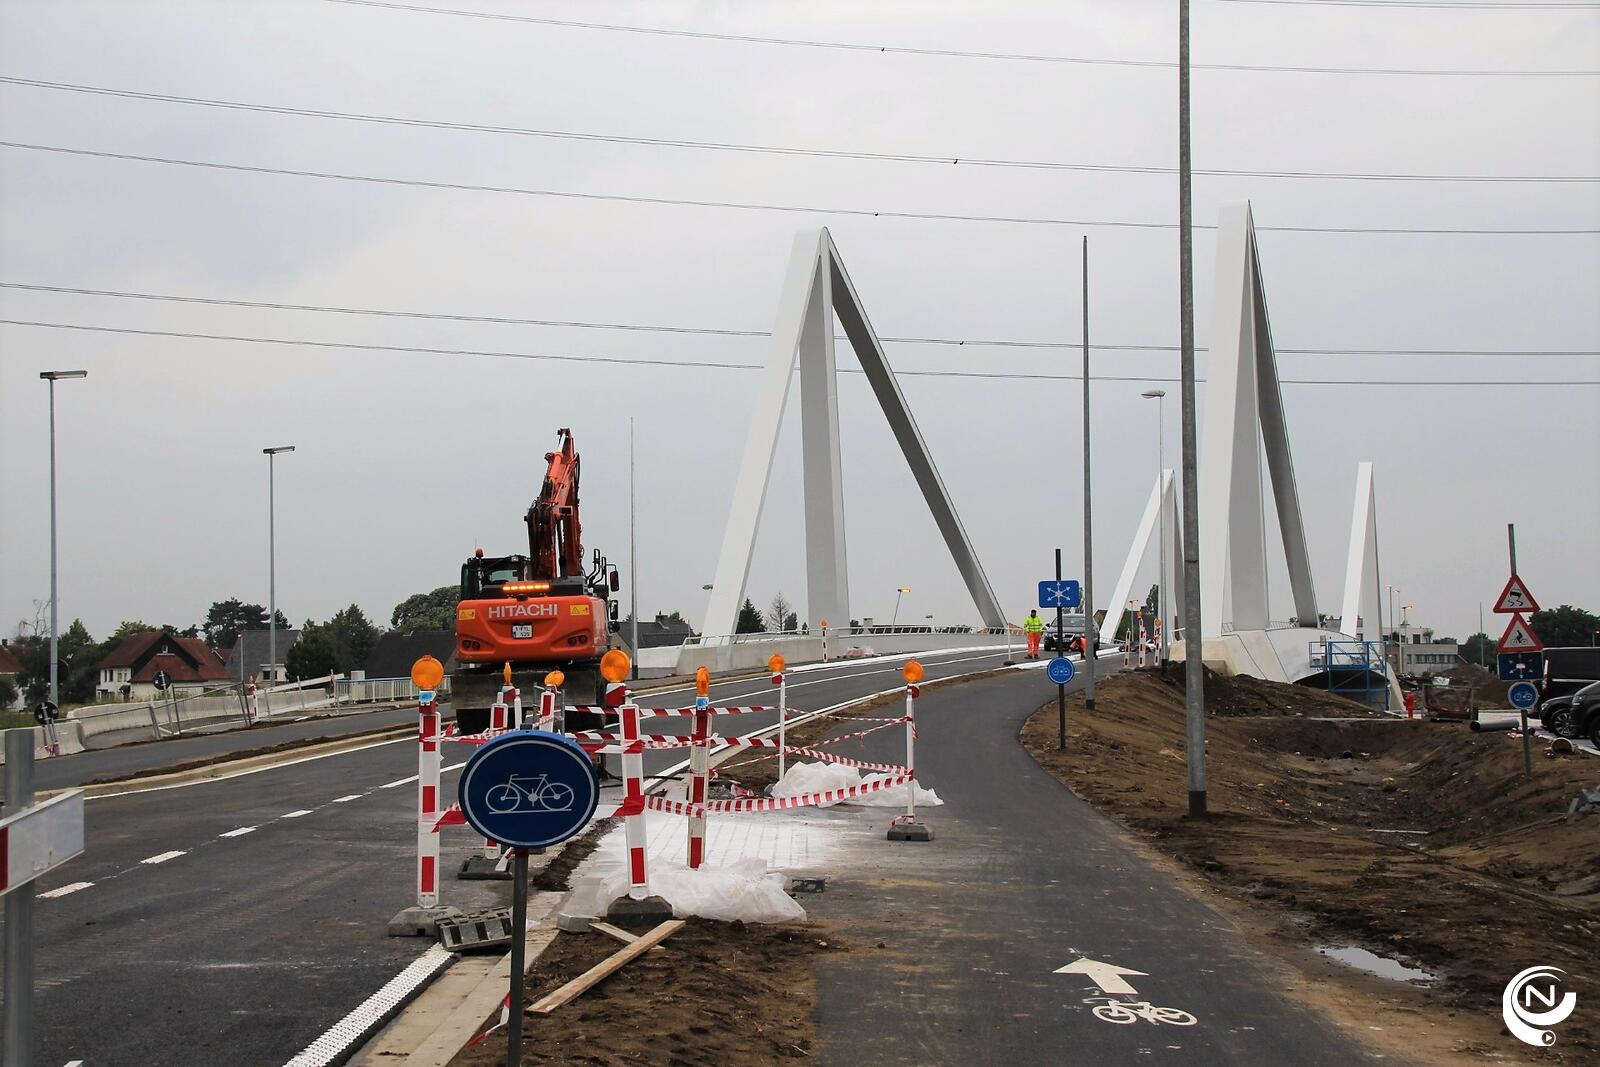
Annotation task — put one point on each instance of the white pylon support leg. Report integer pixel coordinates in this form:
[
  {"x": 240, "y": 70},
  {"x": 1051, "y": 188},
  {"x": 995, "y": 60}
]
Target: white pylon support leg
[
  {"x": 815, "y": 289},
  {"x": 1361, "y": 566},
  {"x": 1165, "y": 489},
  {"x": 1244, "y": 410}
]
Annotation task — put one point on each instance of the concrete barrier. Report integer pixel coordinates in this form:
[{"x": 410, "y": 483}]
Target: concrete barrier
[
  {"x": 68, "y": 735},
  {"x": 754, "y": 653}
]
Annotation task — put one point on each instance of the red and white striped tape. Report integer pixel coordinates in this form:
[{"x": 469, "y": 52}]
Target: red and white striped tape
[
  {"x": 750, "y": 804},
  {"x": 674, "y": 713}
]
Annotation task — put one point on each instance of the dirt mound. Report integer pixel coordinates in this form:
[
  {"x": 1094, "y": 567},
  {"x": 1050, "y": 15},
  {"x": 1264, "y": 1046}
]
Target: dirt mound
[
  {"x": 1243, "y": 695},
  {"x": 1420, "y": 839},
  {"x": 725, "y": 993}
]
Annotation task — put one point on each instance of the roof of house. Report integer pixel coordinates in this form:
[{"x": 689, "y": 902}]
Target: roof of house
[
  {"x": 252, "y": 646},
  {"x": 654, "y": 633},
  {"x": 185, "y": 659},
  {"x": 9, "y": 663},
  {"x": 394, "y": 653}
]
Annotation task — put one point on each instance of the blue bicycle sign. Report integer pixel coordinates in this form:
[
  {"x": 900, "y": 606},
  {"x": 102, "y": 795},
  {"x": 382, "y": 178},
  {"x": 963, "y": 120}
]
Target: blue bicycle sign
[{"x": 529, "y": 789}]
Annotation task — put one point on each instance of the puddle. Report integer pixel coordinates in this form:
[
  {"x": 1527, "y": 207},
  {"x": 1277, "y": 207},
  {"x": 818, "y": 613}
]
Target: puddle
[{"x": 1372, "y": 963}]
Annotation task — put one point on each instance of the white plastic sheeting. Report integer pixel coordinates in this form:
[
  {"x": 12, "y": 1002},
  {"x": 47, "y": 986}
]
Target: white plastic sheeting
[
  {"x": 803, "y": 778},
  {"x": 745, "y": 890}
]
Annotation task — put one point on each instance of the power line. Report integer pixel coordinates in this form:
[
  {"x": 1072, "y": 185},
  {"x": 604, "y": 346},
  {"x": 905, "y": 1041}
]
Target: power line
[
  {"x": 711, "y": 364},
  {"x": 973, "y": 342},
  {"x": 850, "y": 46},
  {"x": 786, "y": 208},
  {"x": 760, "y": 149}
]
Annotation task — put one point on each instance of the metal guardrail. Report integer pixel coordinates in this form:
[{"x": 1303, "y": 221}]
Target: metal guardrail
[{"x": 840, "y": 633}]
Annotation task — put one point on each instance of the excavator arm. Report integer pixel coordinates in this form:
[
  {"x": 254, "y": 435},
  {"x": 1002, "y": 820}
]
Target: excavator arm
[{"x": 555, "y": 533}]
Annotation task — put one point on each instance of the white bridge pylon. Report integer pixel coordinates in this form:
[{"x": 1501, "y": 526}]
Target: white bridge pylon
[
  {"x": 1361, "y": 567},
  {"x": 1161, "y": 511},
  {"x": 815, "y": 290}
]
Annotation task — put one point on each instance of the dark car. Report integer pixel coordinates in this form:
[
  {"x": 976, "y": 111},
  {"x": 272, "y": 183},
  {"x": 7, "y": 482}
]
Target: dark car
[
  {"x": 1566, "y": 670},
  {"x": 1577, "y": 715},
  {"x": 1074, "y": 643}
]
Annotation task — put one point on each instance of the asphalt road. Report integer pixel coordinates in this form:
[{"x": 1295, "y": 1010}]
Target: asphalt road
[
  {"x": 234, "y": 921},
  {"x": 1021, "y": 879}
]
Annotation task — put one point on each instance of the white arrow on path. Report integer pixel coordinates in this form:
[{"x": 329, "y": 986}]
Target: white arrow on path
[{"x": 1108, "y": 976}]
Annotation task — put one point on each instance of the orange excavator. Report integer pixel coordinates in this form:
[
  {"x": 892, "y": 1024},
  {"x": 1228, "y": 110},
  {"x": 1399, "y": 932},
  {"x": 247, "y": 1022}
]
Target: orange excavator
[{"x": 540, "y": 612}]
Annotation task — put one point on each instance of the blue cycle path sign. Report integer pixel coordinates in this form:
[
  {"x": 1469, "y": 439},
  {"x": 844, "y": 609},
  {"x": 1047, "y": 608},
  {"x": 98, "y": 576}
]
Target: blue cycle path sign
[
  {"x": 1060, "y": 594},
  {"x": 529, "y": 789},
  {"x": 1523, "y": 695},
  {"x": 1060, "y": 670}
]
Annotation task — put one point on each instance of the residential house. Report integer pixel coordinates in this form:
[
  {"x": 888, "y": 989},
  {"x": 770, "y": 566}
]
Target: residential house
[
  {"x": 655, "y": 633},
  {"x": 248, "y": 657},
  {"x": 129, "y": 671},
  {"x": 395, "y": 652}
]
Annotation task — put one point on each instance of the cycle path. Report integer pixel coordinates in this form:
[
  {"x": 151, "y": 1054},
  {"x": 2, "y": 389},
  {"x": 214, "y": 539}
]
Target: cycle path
[{"x": 952, "y": 945}]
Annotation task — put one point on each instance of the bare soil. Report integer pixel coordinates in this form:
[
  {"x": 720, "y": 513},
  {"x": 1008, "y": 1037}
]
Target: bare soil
[
  {"x": 731, "y": 994},
  {"x": 1421, "y": 841}
]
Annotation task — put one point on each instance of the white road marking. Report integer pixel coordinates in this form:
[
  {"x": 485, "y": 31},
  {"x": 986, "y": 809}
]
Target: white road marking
[
  {"x": 165, "y": 856},
  {"x": 256, "y": 770},
  {"x": 296, "y": 814},
  {"x": 348, "y": 798},
  {"x": 1108, "y": 976},
  {"x": 240, "y": 832},
  {"x": 398, "y": 781},
  {"x": 65, "y": 890}
]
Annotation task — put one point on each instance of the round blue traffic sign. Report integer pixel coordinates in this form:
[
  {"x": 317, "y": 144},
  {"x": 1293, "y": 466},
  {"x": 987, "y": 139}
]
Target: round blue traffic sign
[
  {"x": 529, "y": 789},
  {"x": 1060, "y": 670},
  {"x": 1524, "y": 695}
]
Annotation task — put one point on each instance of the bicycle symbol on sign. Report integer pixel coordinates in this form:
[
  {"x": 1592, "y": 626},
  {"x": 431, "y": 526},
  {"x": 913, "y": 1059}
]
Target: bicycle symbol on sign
[
  {"x": 1126, "y": 1013},
  {"x": 522, "y": 792}
]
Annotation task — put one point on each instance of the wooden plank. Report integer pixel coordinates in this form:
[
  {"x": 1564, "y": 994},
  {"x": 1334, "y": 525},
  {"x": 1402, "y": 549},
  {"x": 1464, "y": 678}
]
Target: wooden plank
[
  {"x": 605, "y": 968},
  {"x": 616, "y": 933}
]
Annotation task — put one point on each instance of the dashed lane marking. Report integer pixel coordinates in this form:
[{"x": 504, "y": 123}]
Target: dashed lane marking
[
  {"x": 347, "y": 799},
  {"x": 296, "y": 814},
  {"x": 66, "y": 890},
  {"x": 240, "y": 832},
  {"x": 164, "y": 857}
]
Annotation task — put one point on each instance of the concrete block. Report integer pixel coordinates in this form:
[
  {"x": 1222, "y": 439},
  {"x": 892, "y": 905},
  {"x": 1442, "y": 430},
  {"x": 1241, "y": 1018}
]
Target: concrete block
[
  {"x": 421, "y": 922},
  {"x": 626, "y": 909},
  {"x": 481, "y": 868},
  {"x": 910, "y": 831}
]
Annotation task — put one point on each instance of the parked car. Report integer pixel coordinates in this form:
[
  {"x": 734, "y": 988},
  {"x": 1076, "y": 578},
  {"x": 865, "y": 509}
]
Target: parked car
[
  {"x": 1566, "y": 670},
  {"x": 1577, "y": 715},
  {"x": 1074, "y": 643}
]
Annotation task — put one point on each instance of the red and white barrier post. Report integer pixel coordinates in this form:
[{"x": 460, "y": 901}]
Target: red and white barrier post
[
  {"x": 1138, "y": 626},
  {"x": 776, "y": 665},
  {"x": 906, "y": 827},
  {"x": 428, "y": 803},
  {"x": 699, "y": 768}
]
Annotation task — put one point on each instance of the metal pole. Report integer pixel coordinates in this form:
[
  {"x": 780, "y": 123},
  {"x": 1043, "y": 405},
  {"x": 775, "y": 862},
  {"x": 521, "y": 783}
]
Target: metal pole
[
  {"x": 519, "y": 937},
  {"x": 18, "y": 1048},
  {"x": 1061, "y": 649},
  {"x": 272, "y": 567},
  {"x": 1091, "y": 636},
  {"x": 633, "y": 556},
  {"x": 1161, "y": 552},
  {"x": 1194, "y": 666},
  {"x": 55, "y": 688},
  {"x": 1527, "y": 739},
  {"x": 1483, "y": 638}
]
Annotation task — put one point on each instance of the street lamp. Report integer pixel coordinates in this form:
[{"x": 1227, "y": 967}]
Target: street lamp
[
  {"x": 54, "y": 376},
  {"x": 272, "y": 557},
  {"x": 902, "y": 591},
  {"x": 1159, "y": 396},
  {"x": 1394, "y": 626}
]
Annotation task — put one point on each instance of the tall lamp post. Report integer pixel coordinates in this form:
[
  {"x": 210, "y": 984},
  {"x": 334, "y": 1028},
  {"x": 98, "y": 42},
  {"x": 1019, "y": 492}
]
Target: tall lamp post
[
  {"x": 54, "y": 376},
  {"x": 1394, "y": 591},
  {"x": 1159, "y": 396},
  {"x": 272, "y": 556},
  {"x": 898, "y": 593}
]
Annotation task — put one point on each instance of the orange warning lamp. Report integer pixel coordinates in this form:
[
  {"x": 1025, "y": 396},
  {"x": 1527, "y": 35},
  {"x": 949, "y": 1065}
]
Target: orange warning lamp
[
  {"x": 614, "y": 665},
  {"x": 824, "y": 624},
  {"x": 554, "y": 679},
  {"x": 477, "y": 553},
  {"x": 427, "y": 673},
  {"x": 776, "y": 664},
  {"x": 702, "y": 680},
  {"x": 507, "y": 672},
  {"x": 912, "y": 672}
]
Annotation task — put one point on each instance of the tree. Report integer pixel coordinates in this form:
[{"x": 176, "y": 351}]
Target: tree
[
  {"x": 750, "y": 619},
  {"x": 79, "y": 656},
  {"x": 780, "y": 614},
  {"x": 1479, "y": 649},
  {"x": 315, "y": 655},
  {"x": 228, "y": 618},
  {"x": 434, "y": 610},
  {"x": 8, "y": 693},
  {"x": 126, "y": 629},
  {"x": 353, "y": 638},
  {"x": 1565, "y": 626}
]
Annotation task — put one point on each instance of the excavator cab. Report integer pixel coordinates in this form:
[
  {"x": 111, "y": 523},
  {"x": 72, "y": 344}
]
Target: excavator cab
[{"x": 482, "y": 577}]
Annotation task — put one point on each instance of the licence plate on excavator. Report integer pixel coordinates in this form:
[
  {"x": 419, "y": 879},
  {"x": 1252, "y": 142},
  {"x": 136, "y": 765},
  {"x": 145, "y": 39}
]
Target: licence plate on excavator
[{"x": 523, "y": 629}]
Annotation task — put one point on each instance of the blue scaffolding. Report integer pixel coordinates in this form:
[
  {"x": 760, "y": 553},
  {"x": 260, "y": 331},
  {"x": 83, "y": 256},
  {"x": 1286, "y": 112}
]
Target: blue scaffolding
[{"x": 1354, "y": 669}]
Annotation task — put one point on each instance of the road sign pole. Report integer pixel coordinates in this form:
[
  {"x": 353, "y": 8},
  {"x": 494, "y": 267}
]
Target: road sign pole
[
  {"x": 1061, "y": 650},
  {"x": 18, "y": 1046},
  {"x": 1527, "y": 741},
  {"x": 519, "y": 948},
  {"x": 1091, "y": 637}
]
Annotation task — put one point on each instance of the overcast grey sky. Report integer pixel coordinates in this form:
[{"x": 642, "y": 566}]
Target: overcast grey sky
[{"x": 405, "y": 461}]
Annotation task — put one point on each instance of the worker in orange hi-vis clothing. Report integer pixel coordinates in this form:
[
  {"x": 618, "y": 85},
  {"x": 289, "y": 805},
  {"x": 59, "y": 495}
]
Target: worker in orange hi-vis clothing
[{"x": 1033, "y": 626}]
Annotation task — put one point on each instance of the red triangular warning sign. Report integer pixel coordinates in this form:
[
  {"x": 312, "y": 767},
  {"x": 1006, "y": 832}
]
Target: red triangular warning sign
[
  {"x": 1515, "y": 597},
  {"x": 1519, "y": 637}
]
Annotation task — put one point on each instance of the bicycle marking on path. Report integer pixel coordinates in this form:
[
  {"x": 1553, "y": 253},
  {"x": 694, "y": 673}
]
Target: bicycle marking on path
[{"x": 1112, "y": 981}]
